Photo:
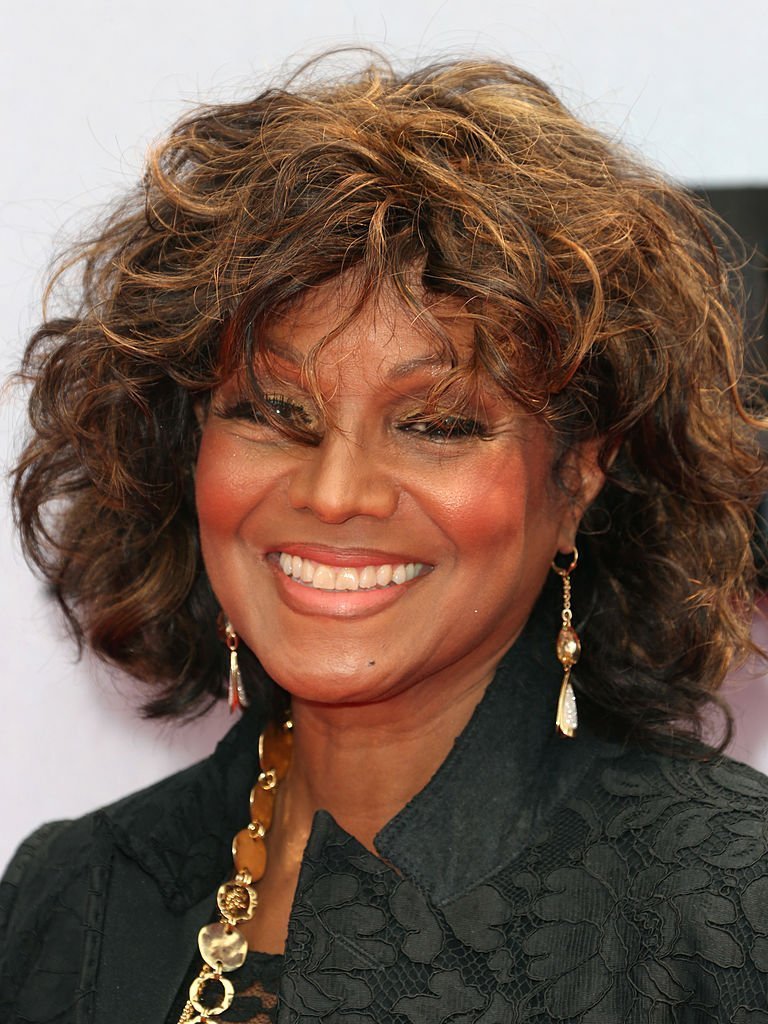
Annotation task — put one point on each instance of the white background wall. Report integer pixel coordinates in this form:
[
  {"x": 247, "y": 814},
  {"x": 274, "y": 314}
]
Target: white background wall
[{"x": 87, "y": 84}]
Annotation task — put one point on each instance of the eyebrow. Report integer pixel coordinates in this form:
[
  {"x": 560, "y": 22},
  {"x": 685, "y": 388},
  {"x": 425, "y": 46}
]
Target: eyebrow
[
  {"x": 411, "y": 366},
  {"x": 398, "y": 372}
]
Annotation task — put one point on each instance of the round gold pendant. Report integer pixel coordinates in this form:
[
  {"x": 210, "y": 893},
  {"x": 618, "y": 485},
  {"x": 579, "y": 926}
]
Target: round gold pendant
[{"x": 222, "y": 948}]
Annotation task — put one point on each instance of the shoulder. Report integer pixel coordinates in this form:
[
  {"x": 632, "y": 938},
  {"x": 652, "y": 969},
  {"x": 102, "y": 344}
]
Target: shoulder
[
  {"x": 54, "y": 891},
  {"x": 45, "y": 896},
  {"x": 58, "y": 853},
  {"x": 713, "y": 785},
  {"x": 157, "y": 828},
  {"x": 54, "y": 850},
  {"x": 33, "y": 851},
  {"x": 708, "y": 818}
]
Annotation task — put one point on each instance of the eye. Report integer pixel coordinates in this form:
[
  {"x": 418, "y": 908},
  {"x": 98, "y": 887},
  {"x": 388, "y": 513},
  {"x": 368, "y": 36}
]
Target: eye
[
  {"x": 444, "y": 428},
  {"x": 271, "y": 410},
  {"x": 284, "y": 409}
]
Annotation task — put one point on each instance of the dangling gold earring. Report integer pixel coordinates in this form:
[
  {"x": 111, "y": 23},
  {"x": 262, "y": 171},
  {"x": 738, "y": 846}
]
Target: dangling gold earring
[
  {"x": 568, "y": 651},
  {"x": 237, "y": 697}
]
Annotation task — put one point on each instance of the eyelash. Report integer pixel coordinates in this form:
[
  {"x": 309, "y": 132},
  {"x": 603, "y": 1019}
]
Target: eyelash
[
  {"x": 281, "y": 407},
  {"x": 445, "y": 428},
  {"x": 437, "y": 429}
]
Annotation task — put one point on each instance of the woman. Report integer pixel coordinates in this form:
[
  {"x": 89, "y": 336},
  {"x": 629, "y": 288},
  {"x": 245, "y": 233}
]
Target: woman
[{"x": 383, "y": 396}]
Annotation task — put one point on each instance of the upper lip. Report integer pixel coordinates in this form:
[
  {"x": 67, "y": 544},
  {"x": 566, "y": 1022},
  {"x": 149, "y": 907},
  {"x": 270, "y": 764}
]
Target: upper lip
[{"x": 352, "y": 556}]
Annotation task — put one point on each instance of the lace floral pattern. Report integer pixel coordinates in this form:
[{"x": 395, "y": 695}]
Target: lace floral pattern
[{"x": 644, "y": 900}]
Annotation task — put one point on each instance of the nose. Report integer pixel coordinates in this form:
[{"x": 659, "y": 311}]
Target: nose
[{"x": 342, "y": 478}]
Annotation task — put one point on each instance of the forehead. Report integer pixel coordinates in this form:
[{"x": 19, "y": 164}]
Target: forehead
[{"x": 332, "y": 326}]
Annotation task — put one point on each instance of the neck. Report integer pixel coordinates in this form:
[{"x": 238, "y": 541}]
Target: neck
[{"x": 363, "y": 764}]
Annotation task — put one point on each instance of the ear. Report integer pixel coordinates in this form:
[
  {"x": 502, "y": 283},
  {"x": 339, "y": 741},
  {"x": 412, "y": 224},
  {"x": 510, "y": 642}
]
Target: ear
[{"x": 584, "y": 479}]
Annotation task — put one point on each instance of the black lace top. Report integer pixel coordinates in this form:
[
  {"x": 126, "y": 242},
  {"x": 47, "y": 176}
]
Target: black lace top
[{"x": 534, "y": 879}]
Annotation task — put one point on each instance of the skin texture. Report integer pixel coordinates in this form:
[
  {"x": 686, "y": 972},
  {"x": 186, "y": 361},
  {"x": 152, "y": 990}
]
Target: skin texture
[{"x": 390, "y": 677}]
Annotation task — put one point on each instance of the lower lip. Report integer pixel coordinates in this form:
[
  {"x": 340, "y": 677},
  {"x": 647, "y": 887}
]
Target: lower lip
[{"x": 307, "y": 600}]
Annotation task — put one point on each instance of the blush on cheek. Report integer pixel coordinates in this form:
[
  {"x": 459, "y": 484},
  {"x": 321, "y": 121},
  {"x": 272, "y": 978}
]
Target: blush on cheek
[
  {"x": 219, "y": 498},
  {"x": 494, "y": 503},
  {"x": 223, "y": 491},
  {"x": 211, "y": 491},
  {"x": 507, "y": 517}
]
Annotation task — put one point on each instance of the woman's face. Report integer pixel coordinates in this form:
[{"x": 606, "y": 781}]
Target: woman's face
[{"x": 409, "y": 544}]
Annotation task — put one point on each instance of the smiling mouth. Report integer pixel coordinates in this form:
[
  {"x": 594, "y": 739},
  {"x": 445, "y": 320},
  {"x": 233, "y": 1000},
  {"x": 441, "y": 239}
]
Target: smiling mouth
[{"x": 332, "y": 577}]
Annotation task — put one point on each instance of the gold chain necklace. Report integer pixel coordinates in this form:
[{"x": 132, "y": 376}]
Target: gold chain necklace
[{"x": 222, "y": 947}]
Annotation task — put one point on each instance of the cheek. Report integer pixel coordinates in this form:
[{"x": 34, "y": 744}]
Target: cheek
[
  {"x": 224, "y": 486},
  {"x": 212, "y": 488},
  {"x": 502, "y": 502}
]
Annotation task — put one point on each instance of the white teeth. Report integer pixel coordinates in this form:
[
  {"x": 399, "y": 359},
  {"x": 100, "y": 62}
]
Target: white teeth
[
  {"x": 328, "y": 577},
  {"x": 347, "y": 579},
  {"x": 383, "y": 575},
  {"x": 367, "y": 578},
  {"x": 324, "y": 578}
]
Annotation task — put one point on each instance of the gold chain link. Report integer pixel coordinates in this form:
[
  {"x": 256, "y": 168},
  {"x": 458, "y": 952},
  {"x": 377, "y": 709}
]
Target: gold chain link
[{"x": 222, "y": 946}]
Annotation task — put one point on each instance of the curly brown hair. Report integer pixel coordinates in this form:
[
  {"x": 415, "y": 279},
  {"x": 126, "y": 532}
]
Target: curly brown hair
[{"x": 600, "y": 300}]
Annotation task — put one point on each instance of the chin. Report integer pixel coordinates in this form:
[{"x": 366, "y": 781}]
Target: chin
[{"x": 334, "y": 679}]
